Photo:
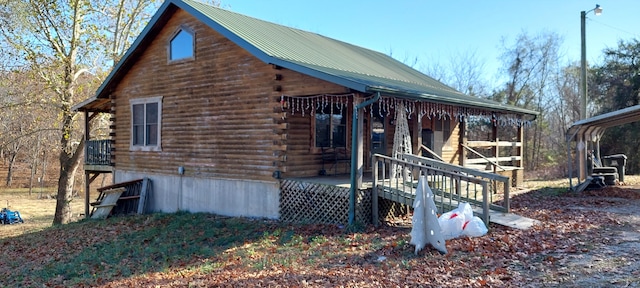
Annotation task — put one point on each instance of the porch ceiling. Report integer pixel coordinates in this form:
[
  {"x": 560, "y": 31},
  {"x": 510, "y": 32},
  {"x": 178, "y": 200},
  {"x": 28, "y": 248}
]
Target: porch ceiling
[{"x": 93, "y": 104}]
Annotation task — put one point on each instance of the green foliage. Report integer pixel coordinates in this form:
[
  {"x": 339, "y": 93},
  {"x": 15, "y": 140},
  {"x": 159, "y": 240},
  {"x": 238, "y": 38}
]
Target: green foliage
[
  {"x": 616, "y": 82},
  {"x": 616, "y": 85}
]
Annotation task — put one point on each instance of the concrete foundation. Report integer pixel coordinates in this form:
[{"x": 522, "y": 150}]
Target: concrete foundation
[{"x": 228, "y": 197}]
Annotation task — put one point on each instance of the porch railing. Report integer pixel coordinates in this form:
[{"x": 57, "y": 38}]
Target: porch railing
[
  {"x": 499, "y": 185},
  {"x": 97, "y": 152},
  {"x": 449, "y": 187},
  {"x": 431, "y": 152},
  {"x": 497, "y": 163}
]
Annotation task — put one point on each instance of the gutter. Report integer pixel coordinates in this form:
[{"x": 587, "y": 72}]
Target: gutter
[{"x": 354, "y": 156}]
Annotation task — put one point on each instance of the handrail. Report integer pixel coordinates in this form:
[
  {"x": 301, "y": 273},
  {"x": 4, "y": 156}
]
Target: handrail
[
  {"x": 450, "y": 187},
  {"x": 454, "y": 168},
  {"x": 422, "y": 147},
  {"x": 493, "y": 178},
  {"x": 496, "y": 164}
]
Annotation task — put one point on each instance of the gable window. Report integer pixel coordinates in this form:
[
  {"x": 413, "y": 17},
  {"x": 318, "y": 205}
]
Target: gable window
[
  {"x": 181, "y": 46},
  {"x": 146, "y": 115},
  {"x": 330, "y": 127}
]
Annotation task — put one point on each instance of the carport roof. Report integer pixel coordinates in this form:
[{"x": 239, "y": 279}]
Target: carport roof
[{"x": 598, "y": 124}]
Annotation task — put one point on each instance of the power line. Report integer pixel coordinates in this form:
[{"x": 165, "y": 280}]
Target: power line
[{"x": 615, "y": 28}]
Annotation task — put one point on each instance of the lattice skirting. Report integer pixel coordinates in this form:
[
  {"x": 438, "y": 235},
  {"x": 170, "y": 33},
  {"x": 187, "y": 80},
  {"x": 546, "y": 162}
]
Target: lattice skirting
[
  {"x": 391, "y": 210},
  {"x": 305, "y": 202}
]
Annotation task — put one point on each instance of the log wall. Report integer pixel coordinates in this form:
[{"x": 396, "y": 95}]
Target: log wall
[{"x": 220, "y": 112}]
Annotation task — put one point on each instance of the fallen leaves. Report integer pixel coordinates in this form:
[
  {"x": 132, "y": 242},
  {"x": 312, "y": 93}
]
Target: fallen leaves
[{"x": 200, "y": 250}]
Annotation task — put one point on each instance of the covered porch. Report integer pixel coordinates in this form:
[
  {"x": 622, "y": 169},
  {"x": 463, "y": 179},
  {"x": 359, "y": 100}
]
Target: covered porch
[{"x": 98, "y": 153}]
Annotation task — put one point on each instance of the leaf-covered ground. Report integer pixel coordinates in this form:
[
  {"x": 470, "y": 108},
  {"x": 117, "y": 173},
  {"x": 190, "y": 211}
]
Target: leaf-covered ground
[{"x": 585, "y": 240}]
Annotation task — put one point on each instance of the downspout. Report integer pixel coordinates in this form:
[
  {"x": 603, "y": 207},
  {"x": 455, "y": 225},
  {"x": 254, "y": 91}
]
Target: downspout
[{"x": 354, "y": 156}]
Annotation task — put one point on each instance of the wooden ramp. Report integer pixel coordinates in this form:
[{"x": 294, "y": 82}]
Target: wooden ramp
[
  {"x": 407, "y": 195},
  {"x": 512, "y": 220}
]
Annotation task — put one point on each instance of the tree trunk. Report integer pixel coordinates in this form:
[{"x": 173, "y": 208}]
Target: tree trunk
[
  {"x": 34, "y": 167},
  {"x": 65, "y": 189},
  {"x": 69, "y": 163},
  {"x": 44, "y": 169},
  {"x": 33, "y": 174},
  {"x": 12, "y": 162}
]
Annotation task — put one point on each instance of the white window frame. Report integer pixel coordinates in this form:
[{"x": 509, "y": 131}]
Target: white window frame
[{"x": 145, "y": 147}]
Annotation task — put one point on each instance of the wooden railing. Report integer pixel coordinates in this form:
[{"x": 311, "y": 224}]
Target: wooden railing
[
  {"x": 434, "y": 154},
  {"x": 499, "y": 185},
  {"x": 494, "y": 161},
  {"x": 97, "y": 152},
  {"x": 449, "y": 187}
]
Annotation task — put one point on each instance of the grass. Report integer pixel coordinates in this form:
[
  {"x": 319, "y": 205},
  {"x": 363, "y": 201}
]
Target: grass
[
  {"x": 201, "y": 250},
  {"x": 36, "y": 211},
  {"x": 123, "y": 247}
]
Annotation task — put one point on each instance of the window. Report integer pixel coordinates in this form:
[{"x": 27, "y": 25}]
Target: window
[
  {"x": 331, "y": 128},
  {"x": 146, "y": 115},
  {"x": 181, "y": 46}
]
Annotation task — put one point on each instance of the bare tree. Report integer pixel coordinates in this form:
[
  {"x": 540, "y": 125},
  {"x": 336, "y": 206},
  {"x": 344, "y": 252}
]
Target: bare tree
[
  {"x": 532, "y": 66},
  {"x": 56, "y": 40},
  {"x": 464, "y": 71}
]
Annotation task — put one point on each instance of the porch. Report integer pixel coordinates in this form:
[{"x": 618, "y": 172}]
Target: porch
[
  {"x": 98, "y": 156},
  {"x": 389, "y": 190},
  {"x": 97, "y": 160}
]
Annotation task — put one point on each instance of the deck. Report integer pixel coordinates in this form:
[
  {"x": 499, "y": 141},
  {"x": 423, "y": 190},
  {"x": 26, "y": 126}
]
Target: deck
[{"x": 404, "y": 193}]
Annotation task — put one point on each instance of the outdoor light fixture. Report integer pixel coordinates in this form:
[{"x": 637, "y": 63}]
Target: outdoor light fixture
[
  {"x": 597, "y": 10},
  {"x": 583, "y": 61}
]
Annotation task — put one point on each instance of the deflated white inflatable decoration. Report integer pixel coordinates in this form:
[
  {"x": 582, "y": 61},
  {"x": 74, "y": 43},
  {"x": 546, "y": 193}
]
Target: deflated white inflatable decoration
[
  {"x": 461, "y": 222},
  {"x": 426, "y": 228}
]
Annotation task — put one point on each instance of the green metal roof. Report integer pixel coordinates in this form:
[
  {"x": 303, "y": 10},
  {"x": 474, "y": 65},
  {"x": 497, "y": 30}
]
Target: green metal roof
[{"x": 318, "y": 56}]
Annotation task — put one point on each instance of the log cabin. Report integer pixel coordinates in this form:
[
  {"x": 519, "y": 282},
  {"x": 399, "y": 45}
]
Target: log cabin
[{"x": 223, "y": 112}]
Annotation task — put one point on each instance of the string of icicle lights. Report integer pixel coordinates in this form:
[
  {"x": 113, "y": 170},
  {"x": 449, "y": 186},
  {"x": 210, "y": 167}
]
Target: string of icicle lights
[{"x": 308, "y": 105}]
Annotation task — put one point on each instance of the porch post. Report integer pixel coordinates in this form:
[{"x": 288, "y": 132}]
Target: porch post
[
  {"x": 87, "y": 183},
  {"x": 417, "y": 135},
  {"x": 359, "y": 146},
  {"x": 581, "y": 148},
  {"x": 463, "y": 142},
  {"x": 354, "y": 156},
  {"x": 519, "y": 173},
  {"x": 494, "y": 135}
]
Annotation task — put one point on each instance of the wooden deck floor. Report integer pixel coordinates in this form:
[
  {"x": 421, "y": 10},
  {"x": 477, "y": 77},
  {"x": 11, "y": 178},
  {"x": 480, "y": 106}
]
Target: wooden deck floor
[{"x": 342, "y": 180}]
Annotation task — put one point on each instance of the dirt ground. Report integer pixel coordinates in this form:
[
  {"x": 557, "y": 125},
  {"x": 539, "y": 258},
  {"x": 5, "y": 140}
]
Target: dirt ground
[
  {"x": 611, "y": 253},
  {"x": 617, "y": 262}
]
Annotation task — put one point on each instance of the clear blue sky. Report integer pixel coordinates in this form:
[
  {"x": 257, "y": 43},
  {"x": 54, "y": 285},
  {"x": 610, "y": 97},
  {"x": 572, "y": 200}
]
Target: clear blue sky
[{"x": 442, "y": 29}]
